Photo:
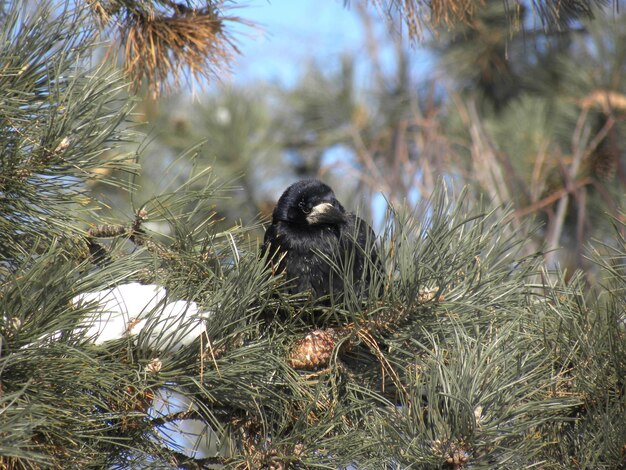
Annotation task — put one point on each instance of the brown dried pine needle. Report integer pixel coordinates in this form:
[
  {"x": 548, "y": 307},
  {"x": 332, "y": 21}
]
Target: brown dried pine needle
[
  {"x": 452, "y": 12},
  {"x": 158, "y": 48},
  {"x": 417, "y": 15},
  {"x": 161, "y": 47}
]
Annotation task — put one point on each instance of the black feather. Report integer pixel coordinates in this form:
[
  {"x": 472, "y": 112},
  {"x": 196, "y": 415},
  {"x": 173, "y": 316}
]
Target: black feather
[{"x": 317, "y": 244}]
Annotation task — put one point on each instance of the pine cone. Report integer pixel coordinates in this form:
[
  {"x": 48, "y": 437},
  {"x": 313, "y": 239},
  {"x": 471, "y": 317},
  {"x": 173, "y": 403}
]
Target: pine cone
[
  {"x": 141, "y": 399},
  {"x": 131, "y": 406},
  {"x": 314, "y": 350},
  {"x": 428, "y": 294},
  {"x": 276, "y": 464},
  {"x": 454, "y": 454},
  {"x": 605, "y": 158},
  {"x": 605, "y": 165}
]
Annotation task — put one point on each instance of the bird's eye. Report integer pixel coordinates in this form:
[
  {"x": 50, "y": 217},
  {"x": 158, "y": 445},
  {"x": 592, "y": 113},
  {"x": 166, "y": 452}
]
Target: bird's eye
[{"x": 303, "y": 207}]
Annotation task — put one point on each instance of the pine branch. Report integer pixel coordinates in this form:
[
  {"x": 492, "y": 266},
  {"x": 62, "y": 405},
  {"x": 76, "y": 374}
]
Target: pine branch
[
  {"x": 164, "y": 40},
  {"x": 59, "y": 120},
  {"x": 417, "y": 15}
]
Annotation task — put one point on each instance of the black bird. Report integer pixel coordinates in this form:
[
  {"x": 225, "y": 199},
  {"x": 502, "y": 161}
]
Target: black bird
[{"x": 312, "y": 239}]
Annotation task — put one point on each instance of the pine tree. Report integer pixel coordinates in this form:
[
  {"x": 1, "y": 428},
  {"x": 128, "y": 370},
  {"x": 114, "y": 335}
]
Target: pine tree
[
  {"x": 539, "y": 124},
  {"x": 466, "y": 352}
]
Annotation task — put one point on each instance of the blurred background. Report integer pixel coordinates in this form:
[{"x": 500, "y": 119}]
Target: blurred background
[{"x": 528, "y": 116}]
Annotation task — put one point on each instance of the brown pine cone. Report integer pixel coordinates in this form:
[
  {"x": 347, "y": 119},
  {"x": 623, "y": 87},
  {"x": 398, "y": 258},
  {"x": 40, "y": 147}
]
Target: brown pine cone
[{"x": 314, "y": 350}]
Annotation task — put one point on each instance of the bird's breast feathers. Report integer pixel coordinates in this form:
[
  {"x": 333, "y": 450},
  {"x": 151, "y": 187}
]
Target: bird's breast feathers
[{"x": 324, "y": 239}]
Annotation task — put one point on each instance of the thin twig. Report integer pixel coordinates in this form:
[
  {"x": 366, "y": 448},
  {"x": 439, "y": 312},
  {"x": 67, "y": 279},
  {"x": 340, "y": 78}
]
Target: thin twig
[{"x": 552, "y": 198}]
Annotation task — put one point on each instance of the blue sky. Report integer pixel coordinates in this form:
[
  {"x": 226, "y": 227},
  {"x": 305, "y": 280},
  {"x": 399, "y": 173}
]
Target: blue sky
[{"x": 289, "y": 33}]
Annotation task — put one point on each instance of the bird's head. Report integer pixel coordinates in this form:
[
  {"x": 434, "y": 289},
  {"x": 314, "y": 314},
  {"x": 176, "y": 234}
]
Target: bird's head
[{"x": 309, "y": 202}]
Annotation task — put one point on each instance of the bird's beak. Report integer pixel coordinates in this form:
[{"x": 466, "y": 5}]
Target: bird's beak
[{"x": 325, "y": 213}]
